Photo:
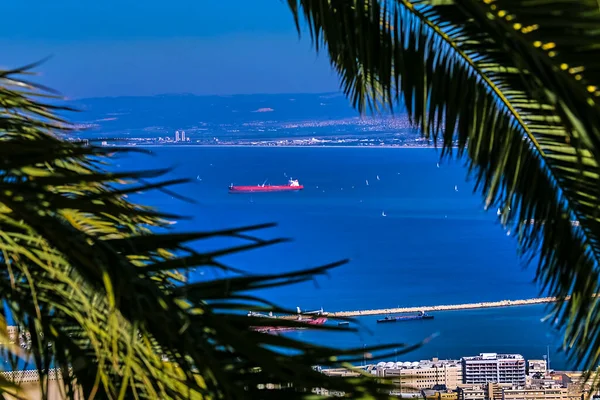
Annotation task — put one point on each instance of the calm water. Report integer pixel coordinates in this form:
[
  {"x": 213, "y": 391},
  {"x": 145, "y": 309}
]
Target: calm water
[{"x": 436, "y": 244}]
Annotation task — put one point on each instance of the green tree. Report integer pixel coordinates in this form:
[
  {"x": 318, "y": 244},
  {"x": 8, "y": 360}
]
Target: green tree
[
  {"x": 98, "y": 282},
  {"x": 513, "y": 85}
]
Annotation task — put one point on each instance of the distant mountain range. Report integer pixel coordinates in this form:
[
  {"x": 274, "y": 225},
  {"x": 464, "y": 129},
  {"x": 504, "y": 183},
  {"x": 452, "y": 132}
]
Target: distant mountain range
[{"x": 239, "y": 117}]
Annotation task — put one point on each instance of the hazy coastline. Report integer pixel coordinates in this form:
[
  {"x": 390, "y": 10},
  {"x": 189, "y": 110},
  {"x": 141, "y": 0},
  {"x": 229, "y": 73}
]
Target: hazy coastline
[{"x": 282, "y": 146}]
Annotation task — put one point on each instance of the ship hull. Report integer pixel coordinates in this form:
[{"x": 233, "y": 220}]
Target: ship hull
[
  {"x": 277, "y": 329},
  {"x": 264, "y": 189},
  {"x": 405, "y": 318}
]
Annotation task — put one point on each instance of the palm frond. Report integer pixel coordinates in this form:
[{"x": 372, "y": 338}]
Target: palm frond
[
  {"x": 100, "y": 292},
  {"x": 513, "y": 84}
]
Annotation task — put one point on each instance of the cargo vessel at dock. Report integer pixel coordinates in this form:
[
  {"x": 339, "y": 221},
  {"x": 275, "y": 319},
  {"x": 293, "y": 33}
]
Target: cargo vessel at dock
[
  {"x": 278, "y": 329},
  {"x": 410, "y": 317},
  {"x": 307, "y": 317},
  {"x": 293, "y": 185}
]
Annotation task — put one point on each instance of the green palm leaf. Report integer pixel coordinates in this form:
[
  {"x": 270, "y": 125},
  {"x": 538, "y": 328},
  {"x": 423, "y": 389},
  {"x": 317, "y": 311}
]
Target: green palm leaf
[
  {"x": 102, "y": 295},
  {"x": 513, "y": 84}
]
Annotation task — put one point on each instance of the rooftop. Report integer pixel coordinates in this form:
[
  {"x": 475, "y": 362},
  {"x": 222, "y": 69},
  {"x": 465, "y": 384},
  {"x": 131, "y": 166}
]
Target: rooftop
[
  {"x": 423, "y": 364},
  {"x": 494, "y": 356}
]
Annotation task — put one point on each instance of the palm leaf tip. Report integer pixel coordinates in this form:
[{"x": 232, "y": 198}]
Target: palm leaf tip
[{"x": 510, "y": 84}]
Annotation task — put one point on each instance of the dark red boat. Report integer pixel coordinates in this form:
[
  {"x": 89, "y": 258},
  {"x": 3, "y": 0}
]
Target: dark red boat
[
  {"x": 293, "y": 185},
  {"x": 276, "y": 329}
]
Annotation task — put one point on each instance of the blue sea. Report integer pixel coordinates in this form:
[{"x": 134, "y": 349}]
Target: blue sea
[{"x": 435, "y": 245}]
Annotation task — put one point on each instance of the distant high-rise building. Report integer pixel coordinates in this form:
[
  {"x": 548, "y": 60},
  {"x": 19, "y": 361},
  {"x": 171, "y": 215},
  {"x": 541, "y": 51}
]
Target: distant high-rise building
[
  {"x": 183, "y": 136},
  {"x": 492, "y": 367},
  {"x": 177, "y": 136}
]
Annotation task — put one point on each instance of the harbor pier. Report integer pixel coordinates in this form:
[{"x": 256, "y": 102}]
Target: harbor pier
[{"x": 448, "y": 307}]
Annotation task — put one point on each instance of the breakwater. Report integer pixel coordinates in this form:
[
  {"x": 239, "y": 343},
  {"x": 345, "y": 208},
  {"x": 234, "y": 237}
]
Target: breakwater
[
  {"x": 13, "y": 330},
  {"x": 448, "y": 307}
]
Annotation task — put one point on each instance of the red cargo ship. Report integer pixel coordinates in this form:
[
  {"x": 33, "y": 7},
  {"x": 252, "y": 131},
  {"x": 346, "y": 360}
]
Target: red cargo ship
[
  {"x": 293, "y": 185},
  {"x": 277, "y": 329}
]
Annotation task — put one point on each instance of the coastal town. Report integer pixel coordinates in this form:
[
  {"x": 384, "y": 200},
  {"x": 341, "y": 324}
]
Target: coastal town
[
  {"x": 336, "y": 141},
  {"x": 265, "y": 131},
  {"x": 359, "y": 132},
  {"x": 486, "y": 376}
]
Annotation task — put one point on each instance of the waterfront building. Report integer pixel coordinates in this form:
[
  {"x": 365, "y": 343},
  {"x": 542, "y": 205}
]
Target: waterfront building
[
  {"x": 493, "y": 367},
  {"x": 419, "y": 375},
  {"x": 434, "y": 394},
  {"x": 536, "y": 366},
  {"x": 556, "y": 393},
  {"x": 489, "y": 376},
  {"x": 183, "y": 136},
  {"x": 546, "y": 380},
  {"x": 177, "y": 136},
  {"x": 342, "y": 372},
  {"x": 471, "y": 392},
  {"x": 506, "y": 391}
]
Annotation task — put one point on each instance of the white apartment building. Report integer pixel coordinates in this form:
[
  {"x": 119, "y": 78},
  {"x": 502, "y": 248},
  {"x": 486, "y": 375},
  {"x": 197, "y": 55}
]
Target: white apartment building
[{"x": 493, "y": 367}]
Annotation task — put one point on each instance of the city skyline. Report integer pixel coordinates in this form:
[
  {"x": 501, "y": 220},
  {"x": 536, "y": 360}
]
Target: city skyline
[{"x": 487, "y": 376}]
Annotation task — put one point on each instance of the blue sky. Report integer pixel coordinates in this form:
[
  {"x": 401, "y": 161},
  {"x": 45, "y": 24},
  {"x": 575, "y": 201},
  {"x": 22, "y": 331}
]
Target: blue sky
[{"x": 147, "y": 47}]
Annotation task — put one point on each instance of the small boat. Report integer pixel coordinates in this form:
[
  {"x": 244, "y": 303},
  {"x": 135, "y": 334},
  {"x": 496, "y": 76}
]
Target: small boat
[
  {"x": 378, "y": 178},
  {"x": 420, "y": 315},
  {"x": 257, "y": 314},
  {"x": 367, "y": 182},
  {"x": 319, "y": 312},
  {"x": 343, "y": 323},
  {"x": 383, "y": 214}
]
